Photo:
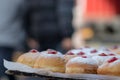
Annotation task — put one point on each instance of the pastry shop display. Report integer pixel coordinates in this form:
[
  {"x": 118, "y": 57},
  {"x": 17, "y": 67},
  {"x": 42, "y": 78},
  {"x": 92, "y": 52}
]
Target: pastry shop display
[
  {"x": 110, "y": 67},
  {"x": 29, "y": 58},
  {"x": 84, "y": 60},
  {"x": 51, "y": 60},
  {"x": 79, "y": 65}
]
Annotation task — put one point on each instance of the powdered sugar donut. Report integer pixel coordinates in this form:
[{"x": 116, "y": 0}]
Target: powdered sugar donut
[
  {"x": 83, "y": 52},
  {"x": 73, "y": 53},
  {"x": 102, "y": 55},
  {"x": 110, "y": 67},
  {"x": 79, "y": 65},
  {"x": 29, "y": 58},
  {"x": 51, "y": 60},
  {"x": 101, "y": 59}
]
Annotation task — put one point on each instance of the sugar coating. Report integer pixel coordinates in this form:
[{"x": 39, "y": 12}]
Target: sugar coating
[
  {"x": 46, "y": 54},
  {"x": 75, "y": 51},
  {"x": 101, "y": 59},
  {"x": 106, "y": 49},
  {"x": 32, "y": 54},
  {"x": 82, "y": 60},
  {"x": 84, "y": 50},
  {"x": 90, "y": 52},
  {"x": 106, "y": 52},
  {"x": 114, "y": 63}
]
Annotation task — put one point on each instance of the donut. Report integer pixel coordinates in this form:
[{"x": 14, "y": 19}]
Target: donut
[
  {"x": 110, "y": 67},
  {"x": 80, "y": 65},
  {"x": 29, "y": 58},
  {"x": 102, "y": 55},
  {"x": 73, "y": 53},
  {"x": 83, "y": 51},
  {"x": 51, "y": 60}
]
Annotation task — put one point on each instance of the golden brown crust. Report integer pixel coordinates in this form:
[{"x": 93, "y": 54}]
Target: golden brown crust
[
  {"x": 108, "y": 69},
  {"x": 27, "y": 59},
  {"x": 68, "y": 57},
  {"x": 81, "y": 68},
  {"x": 55, "y": 64}
]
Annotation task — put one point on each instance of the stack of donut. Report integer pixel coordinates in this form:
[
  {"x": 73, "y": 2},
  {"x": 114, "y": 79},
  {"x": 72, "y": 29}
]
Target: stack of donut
[{"x": 85, "y": 60}]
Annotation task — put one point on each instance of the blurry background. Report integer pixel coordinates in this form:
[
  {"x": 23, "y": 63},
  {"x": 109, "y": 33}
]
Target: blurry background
[
  {"x": 55, "y": 24},
  {"x": 97, "y": 21}
]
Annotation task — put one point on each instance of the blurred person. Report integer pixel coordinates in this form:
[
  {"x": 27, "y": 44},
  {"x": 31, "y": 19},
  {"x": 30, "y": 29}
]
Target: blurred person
[
  {"x": 11, "y": 32},
  {"x": 49, "y": 24}
]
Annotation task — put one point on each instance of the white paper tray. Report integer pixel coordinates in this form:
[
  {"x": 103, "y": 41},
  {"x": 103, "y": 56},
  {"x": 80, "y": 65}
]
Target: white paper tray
[{"x": 23, "y": 70}]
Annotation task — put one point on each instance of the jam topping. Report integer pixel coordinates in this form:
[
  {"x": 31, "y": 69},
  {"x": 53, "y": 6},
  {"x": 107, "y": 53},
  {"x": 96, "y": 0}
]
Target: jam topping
[
  {"x": 51, "y": 51},
  {"x": 84, "y": 56},
  {"x": 33, "y": 51},
  {"x": 94, "y": 51},
  {"x": 112, "y": 59},
  {"x": 81, "y": 53},
  {"x": 111, "y": 54},
  {"x": 70, "y": 53},
  {"x": 102, "y": 54}
]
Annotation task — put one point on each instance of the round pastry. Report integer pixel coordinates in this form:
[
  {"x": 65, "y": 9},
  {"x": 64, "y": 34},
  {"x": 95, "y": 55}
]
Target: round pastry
[
  {"x": 51, "y": 60},
  {"x": 79, "y": 65},
  {"x": 73, "y": 53},
  {"x": 103, "y": 55},
  {"x": 29, "y": 58},
  {"x": 84, "y": 51},
  {"x": 110, "y": 67}
]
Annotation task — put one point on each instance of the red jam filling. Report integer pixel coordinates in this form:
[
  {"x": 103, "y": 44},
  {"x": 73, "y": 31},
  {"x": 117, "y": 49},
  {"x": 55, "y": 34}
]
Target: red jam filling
[
  {"x": 81, "y": 53},
  {"x": 70, "y": 53},
  {"x": 94, "y": 51},
  {"x": 112, "y": 59},
  {"x": 84, "y": 56},
  {"x": 102, "y": 54},
  {"x": 51, "y": 51},
  {"x": 33, "y": 51},
  {"x": 111, "y": 54}
]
